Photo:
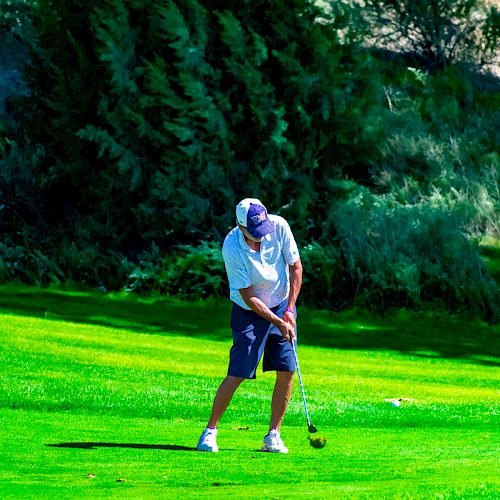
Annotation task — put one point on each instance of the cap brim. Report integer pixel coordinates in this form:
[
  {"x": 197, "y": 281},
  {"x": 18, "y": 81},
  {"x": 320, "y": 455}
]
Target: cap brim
[{"x": 261, "y": 230}]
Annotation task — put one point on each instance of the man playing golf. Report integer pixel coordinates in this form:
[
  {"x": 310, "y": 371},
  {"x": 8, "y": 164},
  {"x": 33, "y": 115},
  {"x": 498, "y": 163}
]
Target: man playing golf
[{"x": 265, "y": 275}]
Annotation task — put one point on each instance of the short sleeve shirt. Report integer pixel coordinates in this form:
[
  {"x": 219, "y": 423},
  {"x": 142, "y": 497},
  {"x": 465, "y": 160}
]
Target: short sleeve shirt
[{"x": 267, "y": 270}]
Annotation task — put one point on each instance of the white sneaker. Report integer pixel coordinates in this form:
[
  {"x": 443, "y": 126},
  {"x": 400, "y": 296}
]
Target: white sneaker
[
  {"x": 207, "y": 441},
  {"x": 273, "y": 443}
]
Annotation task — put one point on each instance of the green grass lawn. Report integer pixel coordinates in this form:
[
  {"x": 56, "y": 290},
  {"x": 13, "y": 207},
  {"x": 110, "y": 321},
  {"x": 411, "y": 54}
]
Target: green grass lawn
[{"x": 104, "y": 396}]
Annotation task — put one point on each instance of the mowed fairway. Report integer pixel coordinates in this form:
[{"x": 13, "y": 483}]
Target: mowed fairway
[{"x": 105, "y": 396}]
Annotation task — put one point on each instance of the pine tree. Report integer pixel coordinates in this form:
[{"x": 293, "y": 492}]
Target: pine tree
[{"x": 156, "y": 117}]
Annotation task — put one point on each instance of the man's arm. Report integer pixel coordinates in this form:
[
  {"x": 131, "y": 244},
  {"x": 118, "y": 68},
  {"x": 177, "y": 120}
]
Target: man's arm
[
  {"x": 254, "y": 303},
  {"x": 295, "y": 285}
]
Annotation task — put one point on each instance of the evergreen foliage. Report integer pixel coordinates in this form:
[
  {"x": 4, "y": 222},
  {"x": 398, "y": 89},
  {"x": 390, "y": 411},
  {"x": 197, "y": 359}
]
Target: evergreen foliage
[
  {"x": 146, "y": 122},
  {"x": 193, "y": 108}
]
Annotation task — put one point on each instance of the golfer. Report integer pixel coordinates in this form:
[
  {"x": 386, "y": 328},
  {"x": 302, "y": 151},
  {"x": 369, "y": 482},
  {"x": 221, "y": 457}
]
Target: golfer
[{"x": 265, "y": 275}]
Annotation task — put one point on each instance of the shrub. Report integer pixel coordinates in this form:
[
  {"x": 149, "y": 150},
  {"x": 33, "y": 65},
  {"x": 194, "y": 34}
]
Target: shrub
[
  {"x": 440, "y": 32},
  {"x": 441, "y": 139},
  {"x": 408, "y": 255},
  {"x": 189, "y": 272},
  {"x": 323, "y": 274},
  {"x": 43, "y": 263},
  {"x": 28, "y": 266}
]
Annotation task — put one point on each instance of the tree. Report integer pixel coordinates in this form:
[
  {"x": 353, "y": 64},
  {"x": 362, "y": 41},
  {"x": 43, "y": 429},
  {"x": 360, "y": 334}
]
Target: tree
[
  {"x": 186, "y": 106},
  {"x": 440, "y": 32}
]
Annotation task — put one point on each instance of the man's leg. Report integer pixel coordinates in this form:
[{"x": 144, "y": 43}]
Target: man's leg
[
  {"x": 207, "y": 441},
  {"x": 222, "y": 399},
  {"x": 281, "y": 397}
]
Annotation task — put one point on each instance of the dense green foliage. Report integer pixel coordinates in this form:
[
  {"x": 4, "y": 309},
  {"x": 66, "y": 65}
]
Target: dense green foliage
[{"x": 142, "y": 123}]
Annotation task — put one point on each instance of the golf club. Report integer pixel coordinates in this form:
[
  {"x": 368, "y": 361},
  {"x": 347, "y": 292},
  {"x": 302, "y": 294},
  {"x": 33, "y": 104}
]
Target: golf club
[{"x": 310, "y": 426}]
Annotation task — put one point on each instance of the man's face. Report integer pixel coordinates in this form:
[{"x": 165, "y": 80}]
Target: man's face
[{"x": 248, "y": 235}]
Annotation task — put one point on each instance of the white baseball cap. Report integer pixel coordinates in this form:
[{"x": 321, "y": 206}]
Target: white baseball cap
[{"x": 252, "y": 215}]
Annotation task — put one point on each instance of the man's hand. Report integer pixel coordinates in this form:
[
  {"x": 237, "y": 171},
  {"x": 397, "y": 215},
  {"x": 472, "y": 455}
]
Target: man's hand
[
  {"x": 289, "y": 317},
  {"x": 285, "y": 325},
  {"x": 287, "y": 330}
]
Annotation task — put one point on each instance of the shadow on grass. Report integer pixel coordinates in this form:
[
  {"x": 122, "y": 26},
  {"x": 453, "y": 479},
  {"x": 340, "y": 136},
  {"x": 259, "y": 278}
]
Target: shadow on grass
[
  {"x": 208, "y": 319},
  {"x": 435, "y": 335},
  {"x": 93, "y": 446}
]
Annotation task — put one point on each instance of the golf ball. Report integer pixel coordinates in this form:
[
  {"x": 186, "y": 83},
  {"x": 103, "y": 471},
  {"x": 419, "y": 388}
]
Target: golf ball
[
  {"x": 317, "y": 441},
  {"x": 396, "y": 403}
]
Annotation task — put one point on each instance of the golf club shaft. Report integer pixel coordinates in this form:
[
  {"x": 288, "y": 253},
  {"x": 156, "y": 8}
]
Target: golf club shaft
[{"x": 300, "y": 382}]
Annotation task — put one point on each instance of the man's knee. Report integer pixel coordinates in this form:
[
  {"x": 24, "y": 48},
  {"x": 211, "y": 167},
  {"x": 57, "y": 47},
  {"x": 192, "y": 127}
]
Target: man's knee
[
  {"x": 284, "y": 376},
  {"x": 234, "y": 381}
]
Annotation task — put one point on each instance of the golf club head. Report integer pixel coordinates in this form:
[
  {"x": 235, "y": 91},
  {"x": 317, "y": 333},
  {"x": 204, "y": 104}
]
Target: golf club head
[{"x": 312, "y": 429}]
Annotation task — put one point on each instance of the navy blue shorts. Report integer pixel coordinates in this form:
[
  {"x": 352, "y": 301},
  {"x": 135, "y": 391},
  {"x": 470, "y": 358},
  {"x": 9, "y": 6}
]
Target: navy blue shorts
[{"x": 254, "y": 336}]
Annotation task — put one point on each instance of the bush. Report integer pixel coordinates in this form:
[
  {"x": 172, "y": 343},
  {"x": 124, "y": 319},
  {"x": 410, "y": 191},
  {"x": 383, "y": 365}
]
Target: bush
[
  {"x": 37, "y": 263},
  {"x": 28, "y": 264},
  {"x": 189, "y": 272},
  {"x": 408, "y": 255},
  {"x": 325, "y": 282},
  {"x": 439, "y": 32},
  {"x": 441, "y": 138}
]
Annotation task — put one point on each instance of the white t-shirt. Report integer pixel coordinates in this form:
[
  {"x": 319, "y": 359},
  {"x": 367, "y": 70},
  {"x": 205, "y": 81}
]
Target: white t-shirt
[{"x": 267, "y": 270}]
